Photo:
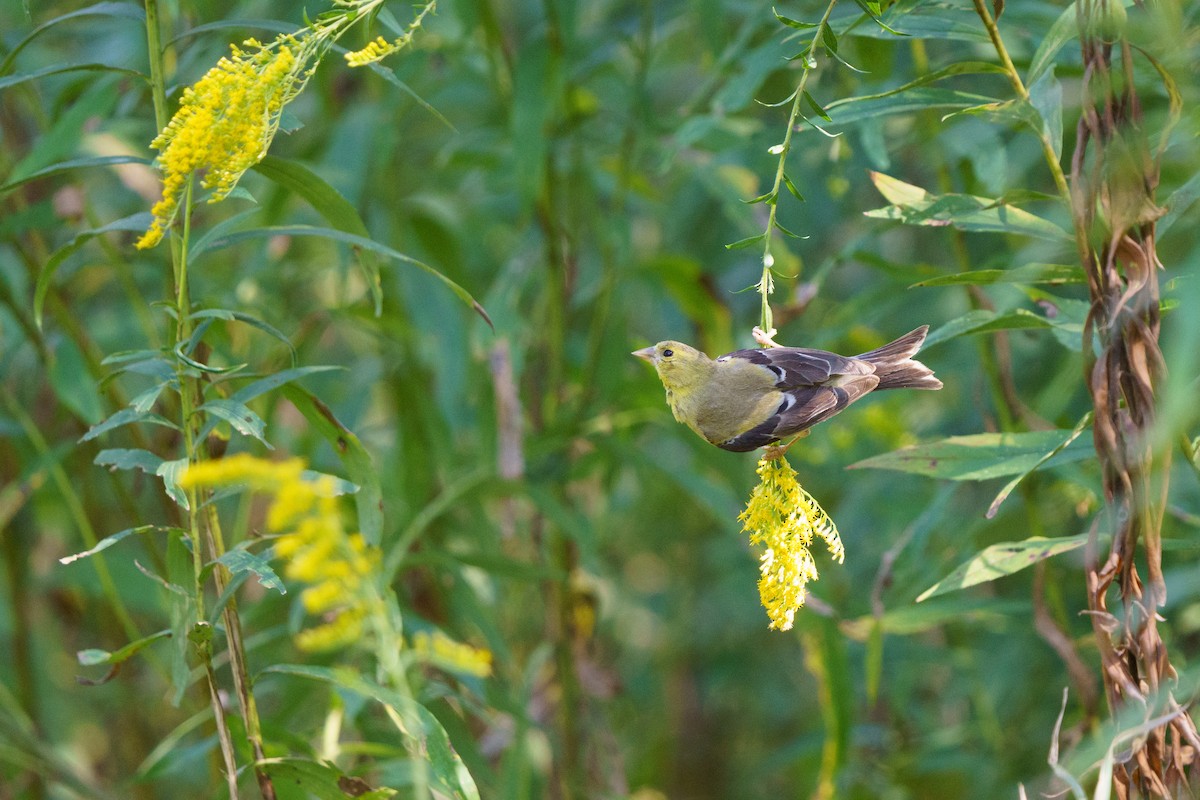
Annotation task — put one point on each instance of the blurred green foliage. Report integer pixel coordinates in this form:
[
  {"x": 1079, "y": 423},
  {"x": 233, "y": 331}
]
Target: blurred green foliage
[{"x": 578, "y": 168}]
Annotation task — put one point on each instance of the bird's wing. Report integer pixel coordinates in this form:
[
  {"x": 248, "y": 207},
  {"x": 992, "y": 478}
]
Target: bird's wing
[
  {"x": 796, "y": 367},
  {"x": 801, "y": 408}
]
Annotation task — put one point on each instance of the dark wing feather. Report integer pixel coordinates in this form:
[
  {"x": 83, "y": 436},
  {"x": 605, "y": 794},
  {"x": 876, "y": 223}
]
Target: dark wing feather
[
  {"x": 800, "y": 366},
  {"x": 802, "y": 407}
]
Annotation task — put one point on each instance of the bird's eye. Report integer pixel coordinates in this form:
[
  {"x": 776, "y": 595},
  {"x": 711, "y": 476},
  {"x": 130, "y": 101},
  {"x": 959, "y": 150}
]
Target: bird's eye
[{"x": 668, "y": 353}]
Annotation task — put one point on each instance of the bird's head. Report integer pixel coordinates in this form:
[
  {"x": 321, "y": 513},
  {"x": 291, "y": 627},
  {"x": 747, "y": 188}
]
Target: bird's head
[{"x": 679, "y": 366}]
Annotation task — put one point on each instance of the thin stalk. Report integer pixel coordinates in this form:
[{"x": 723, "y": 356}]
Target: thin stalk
[
  {"x": 766, "y": 284},
  {"x": 389, "y": 633},
  {"x": 1052, "y": 162}
]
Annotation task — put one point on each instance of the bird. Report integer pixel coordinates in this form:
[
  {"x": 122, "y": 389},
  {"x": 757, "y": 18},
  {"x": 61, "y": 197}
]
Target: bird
[{"x": 749, "y": 399}]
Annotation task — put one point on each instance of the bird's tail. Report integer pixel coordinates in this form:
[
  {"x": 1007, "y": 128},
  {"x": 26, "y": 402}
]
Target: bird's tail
[{"x": 895, "y": 366}]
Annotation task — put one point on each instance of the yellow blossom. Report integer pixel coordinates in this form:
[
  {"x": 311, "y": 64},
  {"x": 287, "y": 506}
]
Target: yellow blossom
[
  {"x": 343, "y": 628},
  {"x": 315, "y": 546},
  {"x": 454, "y": 656},
  {"x": 376, "y": 50},
  {"x": 785, "y": 518},
  {"x": 226, "y": 121}
]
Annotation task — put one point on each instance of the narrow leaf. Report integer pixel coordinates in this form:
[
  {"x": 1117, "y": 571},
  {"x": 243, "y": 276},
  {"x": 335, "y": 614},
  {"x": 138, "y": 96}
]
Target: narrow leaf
[
  {"x": 128, "y": 459},
  {"x": 239, "y": 415},
  {"x": 354, "y": 241},
  {"x": 742, "y": 243},
  {"x": 792, "y": 188},
  {"x": 1029, "y": 274},
  {"x": 239, "y": 560},
  {"x": 90, "y": 658},
  {"x": 1007, "y": 490},
  {"x": 1003, "y": 559},
  {"x": 874, "y": 15},
  {"x": 336, "y": 209},
  {"x": 792, "y": 23},
  {"x": 137, "y": 222},
  {"x": 109, "y": 541},
  {"x": 124, "y": 417},
  {"x": 368, "y": 500},
  {"x": 981, "y": 456}
]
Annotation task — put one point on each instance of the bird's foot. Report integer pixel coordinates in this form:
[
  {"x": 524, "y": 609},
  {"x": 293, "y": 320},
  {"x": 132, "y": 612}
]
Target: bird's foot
[
  {"x": 776, "y": 451},
  {"x": 764, "y": 338}
]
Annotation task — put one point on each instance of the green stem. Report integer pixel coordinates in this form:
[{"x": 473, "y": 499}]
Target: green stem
[
  {"x": 158, "y": 85},
  {"x": 767, "y": 284},
  {"x": 389, "y": 639},
  {"x": 1052, "y": 162}
]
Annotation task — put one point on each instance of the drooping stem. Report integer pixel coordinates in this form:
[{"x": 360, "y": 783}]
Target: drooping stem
[{"x": 766, "y": 284}]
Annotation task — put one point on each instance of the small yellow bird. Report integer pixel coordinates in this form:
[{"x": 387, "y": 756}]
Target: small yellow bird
[{"x": 752, "y": 398}]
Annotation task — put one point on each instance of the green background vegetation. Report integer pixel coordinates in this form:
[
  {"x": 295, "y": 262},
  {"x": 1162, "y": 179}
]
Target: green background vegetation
[{"x": 581, "y": 169}]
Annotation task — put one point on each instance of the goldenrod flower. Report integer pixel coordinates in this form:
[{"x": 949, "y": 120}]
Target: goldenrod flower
[
  {"x": 454, "y": 656},
  {"x": 785, "y": 518},
  {"x": 315, "y": 546},
  {"x": 226, "y": 121}
]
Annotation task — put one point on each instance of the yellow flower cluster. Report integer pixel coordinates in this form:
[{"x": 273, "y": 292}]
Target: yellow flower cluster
[
  {"x": 376, "y": 50},
  {"x": 785, "y": 518},
  {"x": 444, "y": 652},
  {"x": 226, "y": 122},
  {"x": 318, "y": 551}
]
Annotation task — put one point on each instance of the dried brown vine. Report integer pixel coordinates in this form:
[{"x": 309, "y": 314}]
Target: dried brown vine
[{"x": 1114, "y": 176}]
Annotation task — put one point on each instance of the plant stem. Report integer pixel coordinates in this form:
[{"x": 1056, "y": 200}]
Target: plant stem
[
  {"x": 766, "y": 284},
  {"x": 1052, "y": 161}
]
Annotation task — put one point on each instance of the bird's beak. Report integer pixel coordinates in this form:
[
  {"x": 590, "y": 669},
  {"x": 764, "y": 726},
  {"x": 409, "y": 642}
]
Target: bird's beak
[{"x": 646, "y": 353}]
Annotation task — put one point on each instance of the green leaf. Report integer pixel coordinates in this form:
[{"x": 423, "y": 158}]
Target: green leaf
[
  {"x": 339, "y": 212},
  {"x": 90, "y": 658},
  {"x": 1004, "y": 493},
  {"x": 369, "y": 499},
  {"x": 240, "y": 316},
  {"x": 239, "y": 560},
  {"x": 985, "y": 321},
  {"x": 792, "y": 188},
  {"x": 354, "y": 241},
  {"x": 170, "y": 472},
  {"x": 1028, "y": 274},
  {"x": 128, "y": 459},
  {"x": 109, "y": 541},
  {"x": 446, "y": 763},
  {"x": 982, "y": 456},
  {"x": 912, "y": 101},
  {"x": 264, "y": 385},
  {"x": 323, "y": 781},
  {"x": 58, "y": 69},
  {"x": 912, "y": 205},
  {"x": 1064, "y": 29},
  {"x": 742, "y": 243},
  {"x": 124, "y": 417},
  {"x": 137, "y": 223},
  {"x": 73, "y": 384},
  {"x": 907, "y": 620},
  {"x": 792, "y": 23},
  {"x": 768, "y": 198},
  {"x": 816, "y": 107},
  {"x": 873, "y": 13},
  {"x": 239, "y": 415},
  {"x": 1046, "y": 96},
  {"x": 1179, "y": 201},
  {"x": 1003, "y": 559},
  {"x": 936, "y": 24},
  {"x": 127, "y": 10},
  {"x": 75, "y": 163}
]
